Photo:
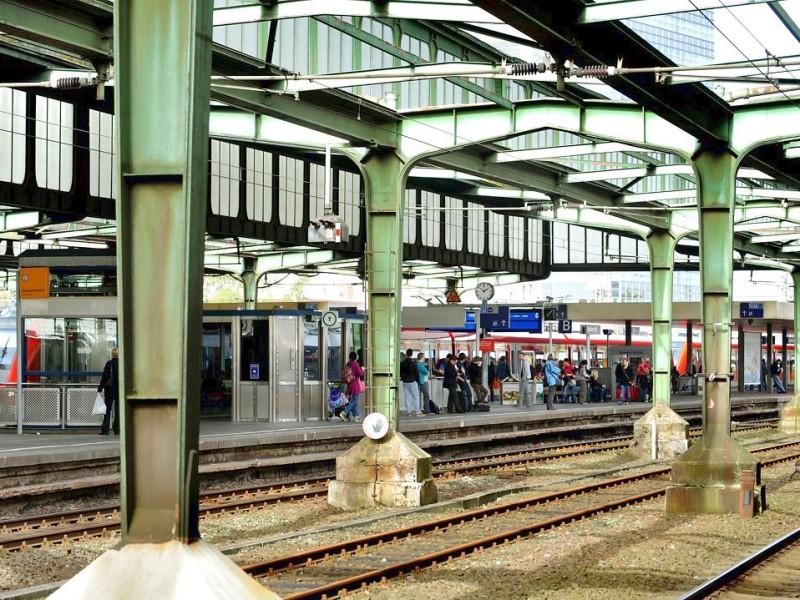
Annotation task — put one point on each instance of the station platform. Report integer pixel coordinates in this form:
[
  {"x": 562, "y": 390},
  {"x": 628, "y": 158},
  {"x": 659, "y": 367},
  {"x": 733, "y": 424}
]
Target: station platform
[{"x": 224, "y": 441}]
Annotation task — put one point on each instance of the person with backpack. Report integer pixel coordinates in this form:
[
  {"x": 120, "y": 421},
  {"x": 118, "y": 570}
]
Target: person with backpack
[
  {"x": 353, "y": 377},
  {"x": 409, "y": 375}
]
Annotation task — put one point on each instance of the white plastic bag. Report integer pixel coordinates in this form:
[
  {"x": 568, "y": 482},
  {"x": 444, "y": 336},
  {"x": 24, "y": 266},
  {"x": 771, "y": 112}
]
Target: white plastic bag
[{"x": 99, "y": 407}]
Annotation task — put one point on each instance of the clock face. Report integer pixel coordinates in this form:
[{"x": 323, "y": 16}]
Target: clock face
[{"x": 484, "y": 291}]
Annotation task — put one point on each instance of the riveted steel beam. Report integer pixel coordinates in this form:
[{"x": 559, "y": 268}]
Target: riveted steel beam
[
  {"x": 453, "y": 10},
  {"x": 163, "y": 69},
  {"x": 391, "y": 49},
  {"x": 692, "y": 107},
  {"x": 430, "y": 132},
  {"x": 634, "y": 9},
  {"x": 661, "y": 246},
  {"x": 68, "y": 27},
  {"x": 384, "y": 182},
  {"x": 341, "y": 120}
]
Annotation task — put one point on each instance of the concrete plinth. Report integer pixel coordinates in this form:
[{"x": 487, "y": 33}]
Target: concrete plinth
[
  {"x": 165, "y": 571},
  {"x": 391, "y": 471},
  {"x": 707, "y": 478},
  {"x": 790, "y": 417},
  {"x": 672, "y": 433}
]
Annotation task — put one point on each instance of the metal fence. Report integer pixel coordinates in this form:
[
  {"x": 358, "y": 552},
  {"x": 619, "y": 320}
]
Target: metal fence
[{"x": 50, "y": 405}]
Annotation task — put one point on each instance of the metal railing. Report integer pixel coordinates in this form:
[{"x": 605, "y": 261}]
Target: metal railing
[{"x": 50, "y": 405}]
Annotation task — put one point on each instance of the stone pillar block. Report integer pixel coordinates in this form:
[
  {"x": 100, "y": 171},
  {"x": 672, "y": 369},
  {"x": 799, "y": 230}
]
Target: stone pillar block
[
  {"x": 672, "y": 433},
  {"x": 392, "y": 471},
  {"x": 790, "y": 417}
]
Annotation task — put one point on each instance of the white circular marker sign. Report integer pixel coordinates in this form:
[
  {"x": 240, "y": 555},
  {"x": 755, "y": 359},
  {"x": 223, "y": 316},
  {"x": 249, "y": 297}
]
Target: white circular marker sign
[
  {"x": 329, "y": 318},
  {"x": 376, "y": 426}
]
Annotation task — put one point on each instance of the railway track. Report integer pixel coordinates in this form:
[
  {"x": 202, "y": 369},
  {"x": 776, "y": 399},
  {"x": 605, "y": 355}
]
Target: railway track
[
  {"x": 63, "y": 527},
  {"x": 16, "y": 534},
  {"x": 772, "y": 572},
  {"x": 328, "y": 571}
]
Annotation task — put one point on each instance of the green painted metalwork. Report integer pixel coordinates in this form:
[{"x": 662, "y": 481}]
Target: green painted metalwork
[
  {"x": 73, "y": 30},
  {"x": 432, "y": 132},
  {"x": 661, "y": 245},
  {"x": 399, "y": 53},
  {"x": 163, "y": 65},
  {"x": 716, "y": 174},
  {"x": 384, "y": 180}
]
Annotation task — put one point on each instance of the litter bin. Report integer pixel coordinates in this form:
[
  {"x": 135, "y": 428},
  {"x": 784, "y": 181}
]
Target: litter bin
[
  {"x": 538, "y": 392},
  {"x": 509, "y": 391}
]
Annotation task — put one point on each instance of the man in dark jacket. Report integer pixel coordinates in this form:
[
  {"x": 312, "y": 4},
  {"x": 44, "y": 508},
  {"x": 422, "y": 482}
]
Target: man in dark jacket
[
  {"x": 475, "y": 372},
  {"x": 625, "y": 376},
  {"x": 109, "y": 387},
  {"x": 463, "y": 384},
  {"x": 450, "y": 384}
]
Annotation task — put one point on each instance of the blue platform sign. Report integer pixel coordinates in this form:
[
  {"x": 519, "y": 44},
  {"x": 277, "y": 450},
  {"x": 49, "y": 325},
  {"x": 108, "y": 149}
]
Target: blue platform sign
[
  {"x": 748, "y": 310},
  {"x": 507, "y": 320},
  {"x": 495, "y": 320},
  {"x": 526, "y": 320}
]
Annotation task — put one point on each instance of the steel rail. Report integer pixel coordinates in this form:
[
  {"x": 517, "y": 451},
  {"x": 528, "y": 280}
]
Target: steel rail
[
  {"x": 715, "y": 584},
  {"x": 16, "y": 534}
]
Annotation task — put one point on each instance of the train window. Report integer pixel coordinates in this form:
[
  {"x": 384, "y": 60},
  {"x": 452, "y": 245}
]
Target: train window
[
  {"x": 311, "y": 351},
  {"x": 67, "y": 350}
]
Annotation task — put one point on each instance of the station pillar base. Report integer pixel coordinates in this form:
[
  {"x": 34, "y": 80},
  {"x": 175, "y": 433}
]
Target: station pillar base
[
  {"x": 708, "y": 479},
  {"x": 392, "y": 471},
  {"x": 790, "y": 417},
  {"x": 671, "y": 434},
  {"x": 170, "y": 570}
]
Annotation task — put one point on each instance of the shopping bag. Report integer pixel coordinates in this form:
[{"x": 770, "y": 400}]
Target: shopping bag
[
  {"x": 99, "y": 407},
  {"x": 361, "y": 387}
]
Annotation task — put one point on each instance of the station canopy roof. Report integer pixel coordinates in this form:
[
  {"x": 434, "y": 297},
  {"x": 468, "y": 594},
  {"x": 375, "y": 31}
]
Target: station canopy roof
[{"x": 349, "y": 75}]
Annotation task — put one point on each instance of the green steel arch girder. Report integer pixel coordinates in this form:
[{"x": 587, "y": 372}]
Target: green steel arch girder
[
  {"x": 428, "y": 133},
  {"x": 761, "y": 124}
]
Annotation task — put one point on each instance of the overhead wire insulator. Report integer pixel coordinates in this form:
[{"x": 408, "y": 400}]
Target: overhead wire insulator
[
  {"x": 522, "y": 69},
  {"x": 73, "y": 83},
  {"x": 596, "y": 71}
]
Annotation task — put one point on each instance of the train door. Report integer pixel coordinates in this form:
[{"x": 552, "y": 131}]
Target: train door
[
  {"x": 254, "y": 394},
  {"x": 216, "y": 390},
  {"x": 287, "y": 366}
]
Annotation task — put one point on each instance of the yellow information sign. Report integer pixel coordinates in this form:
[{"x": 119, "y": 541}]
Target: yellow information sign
[{"x": 34, "y": 282}]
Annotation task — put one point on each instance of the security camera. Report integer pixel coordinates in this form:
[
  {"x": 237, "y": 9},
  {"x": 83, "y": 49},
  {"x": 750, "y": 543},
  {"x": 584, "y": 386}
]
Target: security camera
[{"x": 749, "y": 321}]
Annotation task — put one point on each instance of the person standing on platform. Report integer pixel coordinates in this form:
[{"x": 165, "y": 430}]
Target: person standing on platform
[
  {"x": 624, "y": 375},
  {"x": 109, "y": 387},
  {"x": 776, "y": 370},
  {"x": 582, "y": 377},
  {"x": 463, "y": 382},
  {"x": 644, "y": 379},
  {"x": 409, "y": 375},
  {"x": 424, "y": 384},
  {"x": 450, "y": 383},
  {"x": 475, "y": 372},
  {"x": 492, "y": 375},
  {"x": 354, "y": 388},
  {"x": 552, "y": 375},
  {"x": 502, "y": 370},
  {"x": 762, "y": 386},
  {"x": 524, "y": 381}
]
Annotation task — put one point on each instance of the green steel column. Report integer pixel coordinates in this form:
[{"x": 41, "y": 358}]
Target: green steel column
[
  {"x": 163, "y": 68},
  {"x": 661, "y": 245},
  {"x": 717, "y": 177},
  {"x": 790, "y": 413},
  {"x": 384, "y": 178},
  {"x": 707, "y": 477}
]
